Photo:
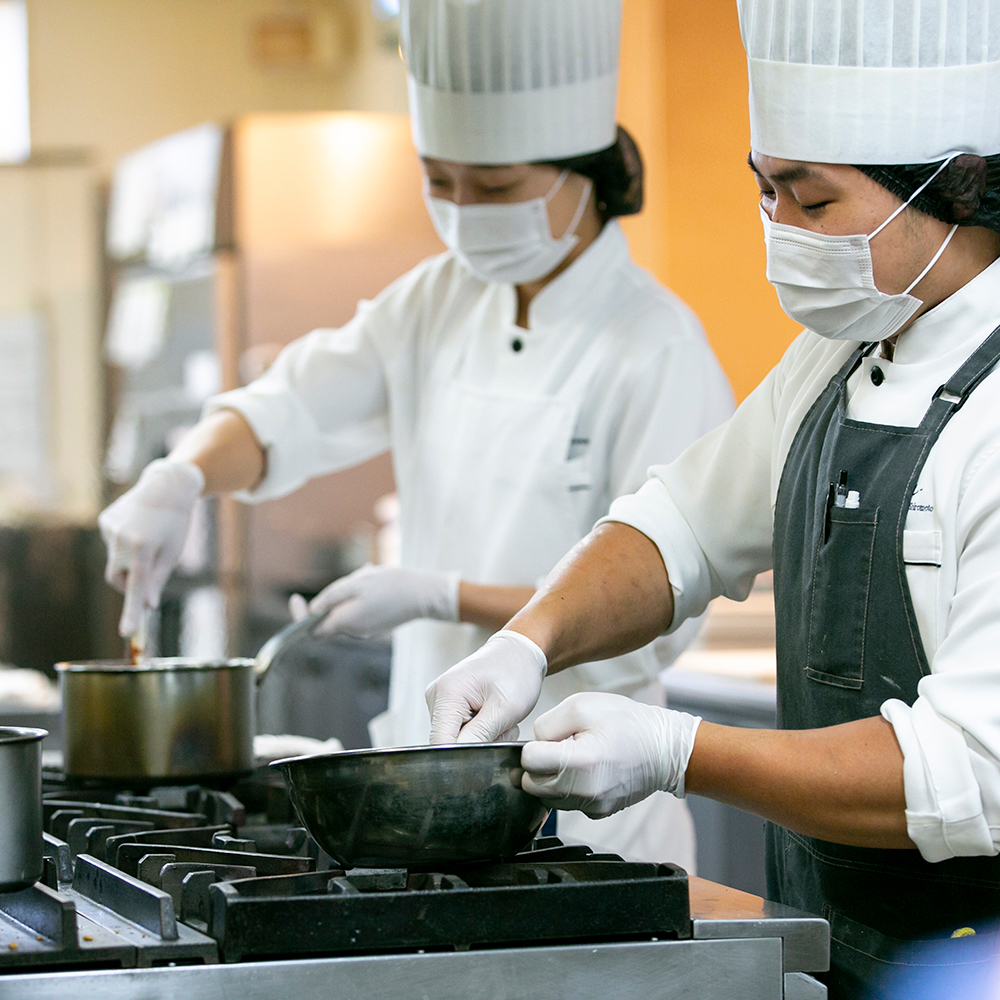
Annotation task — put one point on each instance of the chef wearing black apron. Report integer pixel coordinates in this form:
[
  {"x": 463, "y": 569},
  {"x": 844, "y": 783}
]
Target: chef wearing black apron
[
  {"x": 864, "y": 469},
  {"x": 842, "y": 603}
]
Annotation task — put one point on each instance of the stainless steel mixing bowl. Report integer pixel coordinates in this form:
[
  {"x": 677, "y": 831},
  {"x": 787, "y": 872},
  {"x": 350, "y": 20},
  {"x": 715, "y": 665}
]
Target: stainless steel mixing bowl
[{"x": 415, "y": 806}]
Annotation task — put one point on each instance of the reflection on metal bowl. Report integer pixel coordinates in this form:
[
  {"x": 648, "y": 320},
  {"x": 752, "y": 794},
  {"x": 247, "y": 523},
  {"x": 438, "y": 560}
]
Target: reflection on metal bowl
[{"x": 415, "y": 806}]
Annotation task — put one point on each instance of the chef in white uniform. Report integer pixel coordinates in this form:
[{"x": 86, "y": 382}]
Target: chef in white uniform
[
  {"x": 865, "y": 470},
  {"x": 522, "y": 380}
]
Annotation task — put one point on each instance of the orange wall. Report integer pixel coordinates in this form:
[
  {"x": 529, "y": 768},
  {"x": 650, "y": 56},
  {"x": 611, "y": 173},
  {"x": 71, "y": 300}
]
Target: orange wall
[{"x": 684, "y": 98}]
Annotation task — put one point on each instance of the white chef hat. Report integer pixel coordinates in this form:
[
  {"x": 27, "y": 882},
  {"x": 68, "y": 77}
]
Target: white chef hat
[
  {"x": 512, "y": 81},
  {"x": 873, "y": 81}
]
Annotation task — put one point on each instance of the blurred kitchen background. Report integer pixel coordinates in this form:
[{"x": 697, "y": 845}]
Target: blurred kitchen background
[{"x": 186, "y": 185}]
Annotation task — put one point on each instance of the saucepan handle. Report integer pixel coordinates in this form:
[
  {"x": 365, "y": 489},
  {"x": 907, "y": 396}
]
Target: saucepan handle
[{"x": 280, "y": 641}]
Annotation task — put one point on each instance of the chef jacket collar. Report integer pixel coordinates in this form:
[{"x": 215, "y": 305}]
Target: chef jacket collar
[
  {"x": 571, "y": 294},
  {"x": 970, "y": 314}
]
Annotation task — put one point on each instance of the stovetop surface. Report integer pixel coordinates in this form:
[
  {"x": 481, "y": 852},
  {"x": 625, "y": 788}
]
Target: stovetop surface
[{"x": 186, "y": 874}]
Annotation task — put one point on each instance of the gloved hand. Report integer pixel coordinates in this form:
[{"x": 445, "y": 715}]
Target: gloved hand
[
  {"x": 144, "y": 531},
  {"x": 495, "y": 688},
  {"x": 602, "y": 752},
  {"x": 373, "y": 600}
]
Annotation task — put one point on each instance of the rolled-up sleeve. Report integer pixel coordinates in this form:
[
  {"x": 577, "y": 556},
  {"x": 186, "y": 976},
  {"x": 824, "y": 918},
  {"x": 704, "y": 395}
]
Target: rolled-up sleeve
[
  {"x": 709, "y": 512},
  {"x": 320, "y": 407}
]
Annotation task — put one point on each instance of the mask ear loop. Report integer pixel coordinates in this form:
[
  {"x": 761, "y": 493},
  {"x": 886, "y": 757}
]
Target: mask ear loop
[
  {"x": 944, "y": 246},
  {"x": 560, "y": 180},
  {"x": 580, "y": 208},
  {"x": 944, "y": 163}
]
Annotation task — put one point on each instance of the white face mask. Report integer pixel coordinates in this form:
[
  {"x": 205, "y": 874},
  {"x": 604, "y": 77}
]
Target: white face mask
[
  {"x": 506, "y": 243},
  {"x": 826, "y": 282}
]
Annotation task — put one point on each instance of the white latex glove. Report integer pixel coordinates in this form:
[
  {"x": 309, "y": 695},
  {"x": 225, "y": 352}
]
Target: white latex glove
[
  {"x": 602, "y": 752},
  {"x": 495, "y": 688},
  {"x": 144, "y": 531},
  {"x": 373, "y": 600}
]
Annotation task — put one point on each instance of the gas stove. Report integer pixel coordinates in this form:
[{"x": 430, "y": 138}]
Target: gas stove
[{"x": 208, "y": 892}]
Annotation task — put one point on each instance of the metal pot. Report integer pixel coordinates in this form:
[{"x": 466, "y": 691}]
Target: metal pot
[
  {"x": 20, "y": 807},
  {"x": 166, "y": 717},
  {"x": 415, "y": 806}
]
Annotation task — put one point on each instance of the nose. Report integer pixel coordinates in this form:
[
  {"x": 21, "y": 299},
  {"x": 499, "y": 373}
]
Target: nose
[{"x": 461, "y": 194}]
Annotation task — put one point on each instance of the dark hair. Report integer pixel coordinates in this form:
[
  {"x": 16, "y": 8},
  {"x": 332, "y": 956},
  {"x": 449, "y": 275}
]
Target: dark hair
[
  {"x": 617, "y": 175},
  {"x": 966, "y": 192}
]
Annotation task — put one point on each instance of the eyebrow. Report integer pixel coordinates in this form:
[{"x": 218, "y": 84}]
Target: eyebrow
[{"x": 788, "y": 176}]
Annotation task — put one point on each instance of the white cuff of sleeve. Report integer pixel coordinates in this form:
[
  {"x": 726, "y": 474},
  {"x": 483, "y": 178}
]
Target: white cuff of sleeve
[
  {"x": 261, "y": 419},
  {"x": 944, "y": 808}
]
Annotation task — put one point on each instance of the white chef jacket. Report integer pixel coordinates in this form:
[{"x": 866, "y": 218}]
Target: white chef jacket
[
  {"x": 337, "y": 397},
  {"x": 711, "y": 514}
]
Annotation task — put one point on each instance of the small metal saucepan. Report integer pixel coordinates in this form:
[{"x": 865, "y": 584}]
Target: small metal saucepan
[
  {"x": 20, "y": 807},
  {"x": 415, "y": 806},
  {"x": 165, "y": 718}
]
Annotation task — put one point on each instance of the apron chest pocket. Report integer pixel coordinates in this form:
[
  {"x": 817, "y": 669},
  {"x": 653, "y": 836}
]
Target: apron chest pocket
[{"x": 838, "y": 613}]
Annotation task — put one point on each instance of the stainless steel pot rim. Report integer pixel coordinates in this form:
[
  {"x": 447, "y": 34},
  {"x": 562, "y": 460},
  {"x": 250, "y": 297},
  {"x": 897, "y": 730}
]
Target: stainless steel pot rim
[
  {"x": 19, "y": 734},
  {"x": 395, "y": 751},
  {"x": 157, "y": 664}
]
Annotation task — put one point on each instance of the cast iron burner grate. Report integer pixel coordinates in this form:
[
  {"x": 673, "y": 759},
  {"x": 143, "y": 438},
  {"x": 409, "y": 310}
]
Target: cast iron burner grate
[
  {"x": 553, "y": 894},
  {"x": 189, "y": 874}
]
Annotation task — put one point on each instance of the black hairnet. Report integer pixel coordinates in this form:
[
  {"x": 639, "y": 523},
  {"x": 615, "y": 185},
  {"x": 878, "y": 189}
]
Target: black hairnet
[{"x": 967, "y": 191}]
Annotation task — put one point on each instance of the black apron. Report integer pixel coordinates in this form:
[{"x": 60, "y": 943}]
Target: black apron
[{"x": 847, "y": 641}]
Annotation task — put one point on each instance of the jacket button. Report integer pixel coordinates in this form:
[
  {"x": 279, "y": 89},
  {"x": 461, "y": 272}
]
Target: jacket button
[
  {"x": 516, "y": 344},
  {"x": 878, "y": 376}
]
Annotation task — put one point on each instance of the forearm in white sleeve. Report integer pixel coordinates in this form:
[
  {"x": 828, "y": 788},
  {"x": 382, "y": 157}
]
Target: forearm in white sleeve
[
  {"x": 320, "y": 407},
  {"x": 652, "y": 512},
  {"x": 709, "y": 512}
]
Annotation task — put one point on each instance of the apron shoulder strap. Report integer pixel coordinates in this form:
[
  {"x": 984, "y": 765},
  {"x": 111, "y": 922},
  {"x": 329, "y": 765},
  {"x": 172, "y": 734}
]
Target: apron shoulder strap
[{"x": 961, "y": 385}]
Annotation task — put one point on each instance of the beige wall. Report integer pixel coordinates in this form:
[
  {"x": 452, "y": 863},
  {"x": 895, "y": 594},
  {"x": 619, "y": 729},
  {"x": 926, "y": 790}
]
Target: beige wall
[
  {"x": 684, "y": 93},
  {"x": 49, "y": 267},
  {"x": 111, "y": 75},
  {"x": 107, "y": 76}
]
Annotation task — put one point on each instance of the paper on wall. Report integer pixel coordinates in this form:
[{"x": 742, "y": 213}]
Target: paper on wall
[
  {"x": 163, "y": 198},
  {"x": 23, "y": 400},
  {"x": 137, "y": 322}
]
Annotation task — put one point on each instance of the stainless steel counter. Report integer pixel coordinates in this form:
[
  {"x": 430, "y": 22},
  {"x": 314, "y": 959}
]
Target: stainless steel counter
[{"x": 742, "y": 947}]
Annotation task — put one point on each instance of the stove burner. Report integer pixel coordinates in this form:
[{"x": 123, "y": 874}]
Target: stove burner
[
  {"x": 188, "y": 874},
  {"x": 554, "y": 894}
]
